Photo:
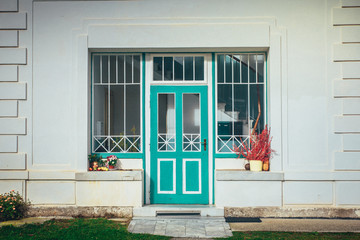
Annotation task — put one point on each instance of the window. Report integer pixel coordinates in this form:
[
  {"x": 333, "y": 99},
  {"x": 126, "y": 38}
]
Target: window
[
  {"x": 240, "y": 85},
  {"x": 116, "y": 103},
  {"x": 178, "y": 68}
]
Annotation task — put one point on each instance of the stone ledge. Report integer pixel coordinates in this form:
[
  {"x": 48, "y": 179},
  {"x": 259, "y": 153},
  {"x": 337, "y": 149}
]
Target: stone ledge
[
  {"x": 75, "y": 211},
  {"x": 293, "y": 212},
  {"x": 242, "y": 175},
  {"x": 135, "y": 175}
]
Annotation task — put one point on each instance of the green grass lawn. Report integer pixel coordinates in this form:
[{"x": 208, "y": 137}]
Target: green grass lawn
[
  {"x": 80, "y": 228},
  {"x": 105, "y": 229}
]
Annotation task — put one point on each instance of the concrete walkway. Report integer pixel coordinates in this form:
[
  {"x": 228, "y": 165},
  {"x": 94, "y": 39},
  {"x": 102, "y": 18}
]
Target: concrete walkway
[
  {"x": 299, "y": 225},
  {"x": 186, "y": 227}
]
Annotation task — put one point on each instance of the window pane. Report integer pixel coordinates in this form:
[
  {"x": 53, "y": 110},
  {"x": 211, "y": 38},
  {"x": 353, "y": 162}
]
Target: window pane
[
  {"x": 199, "y": 68},
  {"x": 157, "y": 68},
  {"x": 104, "y": 69},
  {"x": 166, "y": 122},
  {"x": 121, "y": 69},
  {"x": 179, "y": 68},
  {"x": 128, "y": 71},
  {"x": 132, "y": 110},
  {"x": 100, "y": 104},
  {"x": 252, "y": 61},
  {"x": 241, "y": 125},
  {"x": 236, "y": 59},
  {"x": 228, "y": 68},
  {"x": 260, "y": 68},
  {"x": 256, "y": 102},
  {"x": 220, "y": 68},
  {"x": 189, "y": 68},
  {"x": 96, "y": 69},
  {"x": 117, "y": 110},
  {"x": 191, "y": 113},
  {"x": 244, "y": 68},
  {"x": 168, "y": 68},
  {"x": 137, "y": 69},
  {"x": 113, "y": 69}
]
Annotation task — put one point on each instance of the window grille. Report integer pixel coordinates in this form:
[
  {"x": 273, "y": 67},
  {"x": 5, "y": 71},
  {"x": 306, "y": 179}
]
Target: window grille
[
  {"x": 241, "y": 101},
  {"x": 116, "y": 103}
]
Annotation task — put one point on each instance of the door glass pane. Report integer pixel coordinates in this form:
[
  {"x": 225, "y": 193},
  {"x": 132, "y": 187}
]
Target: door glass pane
[
  {"x": 178, "y": 68},
  {"x": 191, "y": 122},
  {"x": 158, "y": 63},
  {"x": 166, "y": 122}
]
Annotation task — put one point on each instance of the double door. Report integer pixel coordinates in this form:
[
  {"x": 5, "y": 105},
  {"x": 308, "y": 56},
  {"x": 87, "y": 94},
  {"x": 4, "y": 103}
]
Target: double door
[{"x": 179, "y": 170}]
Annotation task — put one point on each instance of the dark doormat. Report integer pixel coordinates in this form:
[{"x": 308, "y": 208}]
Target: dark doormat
[{"x": 241, "y": 219}]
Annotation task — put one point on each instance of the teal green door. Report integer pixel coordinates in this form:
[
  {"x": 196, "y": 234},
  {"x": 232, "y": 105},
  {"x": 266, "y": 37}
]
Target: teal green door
[{"x": 179, "y": 171}]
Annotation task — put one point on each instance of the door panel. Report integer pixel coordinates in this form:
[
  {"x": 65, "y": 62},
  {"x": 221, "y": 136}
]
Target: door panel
[{"x": 179, "y": 159}]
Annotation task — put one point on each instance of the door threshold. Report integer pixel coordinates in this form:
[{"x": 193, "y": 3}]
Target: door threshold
[{"x": 155, "y": 210}]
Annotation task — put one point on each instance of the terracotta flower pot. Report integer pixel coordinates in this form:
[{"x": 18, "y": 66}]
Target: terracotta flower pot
[
  {"x": 111, "y": 167},
  {"x": 256, "y": 165}
]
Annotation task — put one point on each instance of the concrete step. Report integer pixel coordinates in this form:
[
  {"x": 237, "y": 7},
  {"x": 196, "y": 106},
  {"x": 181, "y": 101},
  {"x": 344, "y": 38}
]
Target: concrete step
[{"x": 190, "y": 210}]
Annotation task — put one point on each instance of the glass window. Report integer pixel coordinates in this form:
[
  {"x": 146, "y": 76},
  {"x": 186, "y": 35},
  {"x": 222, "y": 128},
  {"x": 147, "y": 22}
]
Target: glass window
[
  {"x": 116, "y": 106},
  {"x": 179, "y": 68},
  {"x": 240, "y": 98}
]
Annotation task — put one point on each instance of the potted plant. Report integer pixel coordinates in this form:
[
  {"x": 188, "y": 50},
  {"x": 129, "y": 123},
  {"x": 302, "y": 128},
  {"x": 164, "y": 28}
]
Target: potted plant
[
  {"x": 111, "y": 162},
  {"x": 94, "y": 161},
  {"x": 258, "y": 151}
]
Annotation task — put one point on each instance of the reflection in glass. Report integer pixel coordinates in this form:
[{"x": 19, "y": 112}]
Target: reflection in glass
[
  {"x": 252, "y": 68},
  {"x": 128, "y": 70},
  {"x": 199, "y": 68},
  {"x": 136, "y": 69},
  {"x": 121, "y": 69},
  {"x": 104, "y": 69},
  {"x": 244, "y": 68},
  {"x": 260, "y": 68},
  {"x": 257, "y": 107},
  {"x": 100, "y": 95},
  {"x": 158, "y": 63},
  {"x": 191, "y": 122},
  {"x": 220, "y": 68},
  {"x": 96, "y": 69},
  {"x": 236, "y": 59},
  {"x": 189, "y": 68},
  {"x": 228, "y": 68},
  {"x": 178, "y": 68},
  {"x": 168, "y": 68},
  {"x": 113, "y": 69},
  {"x": 117, "y": 110},
  {"x": 166, "y": 122}
]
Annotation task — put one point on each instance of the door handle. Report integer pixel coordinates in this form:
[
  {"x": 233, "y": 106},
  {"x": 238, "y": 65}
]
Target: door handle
[{"x": 204, "y": 142}]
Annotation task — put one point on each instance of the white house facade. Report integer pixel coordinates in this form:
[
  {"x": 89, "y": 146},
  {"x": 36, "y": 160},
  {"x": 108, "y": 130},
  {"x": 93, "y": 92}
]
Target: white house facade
[{"x": 170, "y": 88}]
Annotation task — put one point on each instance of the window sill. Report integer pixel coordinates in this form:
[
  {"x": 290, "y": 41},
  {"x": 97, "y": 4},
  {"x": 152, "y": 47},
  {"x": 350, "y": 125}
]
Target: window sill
[
  {"x": 243, "y": 175},
  {"x": 122, "y": 175}
]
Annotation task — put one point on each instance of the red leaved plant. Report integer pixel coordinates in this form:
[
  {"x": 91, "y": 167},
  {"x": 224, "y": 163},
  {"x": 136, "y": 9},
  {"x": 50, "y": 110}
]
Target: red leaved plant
[{"x": 259, "y": 147}]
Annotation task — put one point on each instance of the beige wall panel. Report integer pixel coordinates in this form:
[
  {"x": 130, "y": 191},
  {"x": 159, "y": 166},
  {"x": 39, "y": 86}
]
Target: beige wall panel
[
  {"x": 351, "y": 70},
  {"x": 8, "y": 108},
  {"x": 16, "y": 185},
  {"x": 12, "y": 91},
  {"x": 347, "y": 88},
  {"x": 8, "y": 144},
  {"x": 347, "y": 124},
  {"x": 12, "y": 55},
  {"x": 12, "y": 126},
  {"x": 8, "y": 5},
  {"x": 351, "y": 106},
  {"x": 13, "y": 175},
  {"x": 350, "y": 3},
  {"x": 351, "y": 142},
  {"x": 51, "y": 192},
  {"x": 109, "y": 193},
  {"x": 13, "y": 21},
  {"x": 12, "y": 161},
  {"x": 350, "y": 34},
  {"x": 8, "y": 73},
  {"x": 308, "y": 193},
  {"x": 348, "y": 193},
  {"x": 347, "y": 161},
  {"x": 347, "y": 52},
  {"x": 346, "y": 16},
  {"x": 8, "y": 38}
]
